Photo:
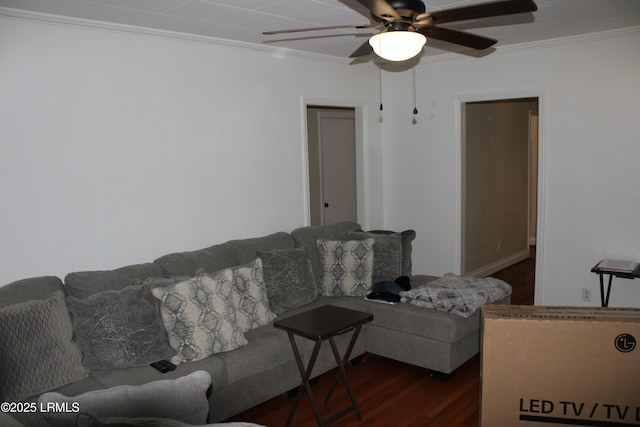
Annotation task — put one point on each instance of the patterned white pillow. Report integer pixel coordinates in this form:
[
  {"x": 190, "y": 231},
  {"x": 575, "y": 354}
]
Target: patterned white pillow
[
  {"x": 200, "y": 317},
  {"x": 347, "y": 267},
  {"x": 250, "y": 296}
]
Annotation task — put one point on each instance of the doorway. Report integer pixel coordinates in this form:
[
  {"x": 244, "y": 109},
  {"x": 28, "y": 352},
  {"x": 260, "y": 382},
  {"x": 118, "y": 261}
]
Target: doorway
[
  {"x": 499, "y": 183},
  {"x": 331, "y": 139}
]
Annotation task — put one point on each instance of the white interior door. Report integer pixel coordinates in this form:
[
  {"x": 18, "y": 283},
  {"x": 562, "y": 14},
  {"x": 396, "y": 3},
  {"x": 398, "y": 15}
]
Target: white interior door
[{"x": 332, "y": 159}]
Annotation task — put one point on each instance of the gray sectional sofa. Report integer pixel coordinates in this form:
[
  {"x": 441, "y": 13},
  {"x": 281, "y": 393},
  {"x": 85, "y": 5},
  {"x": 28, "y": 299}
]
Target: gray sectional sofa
[{"x": 248, "y": 375}]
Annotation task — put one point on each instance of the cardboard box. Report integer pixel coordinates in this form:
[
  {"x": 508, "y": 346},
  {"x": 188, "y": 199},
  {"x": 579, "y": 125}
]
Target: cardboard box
[{"x": 549, "y": 366}]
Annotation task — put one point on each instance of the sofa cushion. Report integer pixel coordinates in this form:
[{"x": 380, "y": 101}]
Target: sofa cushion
[
  {"x": 249, "y": 296},
  {"x": 289, "y": 279},
  {"x": 387, "y": 254},
  {"x": 423, "y": 322},
  {"x": 246, "y": 249},
  {"x": 307, "y": 237},
  {"x": 116, "y": 329},
  {"x": 82, "y": 284},
  {"x": 141, "y": 271},
  {"x": 183, "y": 399},
  {"x": 29, "y": 289},
  {"x": 410, "y": 319},
  {"x": 347, "y": 267},
  {"x": 268, "y": 348},
  {"x": 139, "y": 375},
  {"x": 37, "y": 352},
  {"x": 200, "y": 317},
  {"x": 209, "y": 259},
  {"x": 408, "y": 237}
]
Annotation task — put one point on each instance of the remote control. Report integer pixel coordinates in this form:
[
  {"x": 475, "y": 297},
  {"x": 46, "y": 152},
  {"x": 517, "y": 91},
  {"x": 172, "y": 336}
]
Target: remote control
[{"x": 163, "y": 366}]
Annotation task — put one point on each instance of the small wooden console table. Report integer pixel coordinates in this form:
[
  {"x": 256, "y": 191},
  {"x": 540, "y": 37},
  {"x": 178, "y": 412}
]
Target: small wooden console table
[
  {"x": 601, "y": 271},
  {"x": 320, "y": 324}
]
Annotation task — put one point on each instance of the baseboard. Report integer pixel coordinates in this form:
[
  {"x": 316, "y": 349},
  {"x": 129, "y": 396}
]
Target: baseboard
[{"x": 489, "y": 269}]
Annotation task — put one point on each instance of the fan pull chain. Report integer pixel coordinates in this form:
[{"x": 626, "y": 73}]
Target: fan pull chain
[
  {"x": 380, "y": 75},
  {"x": 415, "y": 96}
]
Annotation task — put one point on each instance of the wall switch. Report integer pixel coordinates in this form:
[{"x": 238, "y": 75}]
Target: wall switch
[{"x": 586, "y": 294}]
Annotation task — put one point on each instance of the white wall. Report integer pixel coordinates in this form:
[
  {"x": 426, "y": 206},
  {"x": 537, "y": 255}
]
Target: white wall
[
  {"x": 116, "y": 148},
  {"x": 590, "y": 146}
]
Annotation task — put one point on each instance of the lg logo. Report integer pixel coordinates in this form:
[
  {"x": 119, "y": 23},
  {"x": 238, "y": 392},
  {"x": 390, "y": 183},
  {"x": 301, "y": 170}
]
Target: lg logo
[{"x": 625, "y": 343}]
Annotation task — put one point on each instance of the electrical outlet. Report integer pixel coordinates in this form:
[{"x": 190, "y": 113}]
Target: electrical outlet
[{"x": 586, "y": 294}]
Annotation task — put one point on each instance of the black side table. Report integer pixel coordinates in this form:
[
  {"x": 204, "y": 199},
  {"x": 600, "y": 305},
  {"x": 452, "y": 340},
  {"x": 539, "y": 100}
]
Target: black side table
[
  {"x": 320, "y": 324},
  {"x": 604, "y": 296}
]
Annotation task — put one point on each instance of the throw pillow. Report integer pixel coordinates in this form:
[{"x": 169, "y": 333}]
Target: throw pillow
[
  {"x": 200, "y": 317},
  {"x": 37, "y": 351},
  {"x": 289, "y": 279},
  {"x": 250, "y": 296},
  {"x": 387, "y": 254},
  {"x": 307, "y": 237},
  {"x": 347, "y": 266},
  {"x": 118, "y": 329},
  {"x": 408, "y": 237},
  {"x": 183, "y": 399}
]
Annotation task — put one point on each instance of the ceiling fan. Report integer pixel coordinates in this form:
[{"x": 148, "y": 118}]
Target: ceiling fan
[{"x": 405, "y": 26}]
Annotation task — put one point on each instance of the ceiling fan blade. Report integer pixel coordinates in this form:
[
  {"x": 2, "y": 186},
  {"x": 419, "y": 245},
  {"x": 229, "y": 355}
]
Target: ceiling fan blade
[
  {"x": 364, "y": 50},
  {"x": 381, "y": 9},
  {"x": 485, "y": 10},
  {"x": 332, "y": 27},
  {"x": 473, "y": 41}
]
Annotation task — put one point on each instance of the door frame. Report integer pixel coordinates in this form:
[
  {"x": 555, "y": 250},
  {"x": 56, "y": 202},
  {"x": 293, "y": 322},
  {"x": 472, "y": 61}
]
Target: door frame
[
  {"x": 359, "y": 108},
  {"x": 541, "y": 188},
  {"x": 318, "y": 200}
]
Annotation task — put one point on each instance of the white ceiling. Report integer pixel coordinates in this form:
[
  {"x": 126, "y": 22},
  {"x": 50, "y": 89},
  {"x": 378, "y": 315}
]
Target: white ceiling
[{"x": 245, "y": 20}]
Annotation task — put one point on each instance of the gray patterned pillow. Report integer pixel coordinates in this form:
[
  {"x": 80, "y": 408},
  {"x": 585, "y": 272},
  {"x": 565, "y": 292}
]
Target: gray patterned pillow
[
  {"x": 347, "y": 266},
  {"x": 200, "y": 317},
  {"x": 289, "y": 279},
  {"x": 387, "y": 254},
  {"x": 250, "y": 296},
  {"x": 37, "y": 352},
  {"x": 118, "y": 329},
  {"x": 407, "y": 238}
]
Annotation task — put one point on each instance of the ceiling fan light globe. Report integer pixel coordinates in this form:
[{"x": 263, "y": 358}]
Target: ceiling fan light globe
[{"x": 397, "y": 45}]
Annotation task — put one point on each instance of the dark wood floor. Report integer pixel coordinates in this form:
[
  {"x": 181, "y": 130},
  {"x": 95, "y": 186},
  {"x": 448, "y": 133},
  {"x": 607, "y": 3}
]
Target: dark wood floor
[{"x": 395, "y": 394}]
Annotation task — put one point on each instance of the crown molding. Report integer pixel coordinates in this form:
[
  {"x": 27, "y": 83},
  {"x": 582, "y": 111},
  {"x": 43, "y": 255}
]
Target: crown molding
[
  {"x": 542, "y": 44},
  {"x": 25, "y": 15},
  {"x": 68, "y": 21}
]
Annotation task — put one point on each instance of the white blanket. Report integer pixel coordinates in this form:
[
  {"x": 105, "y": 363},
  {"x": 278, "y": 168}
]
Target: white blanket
[{"x": 457, "y": 294}]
